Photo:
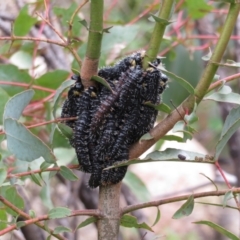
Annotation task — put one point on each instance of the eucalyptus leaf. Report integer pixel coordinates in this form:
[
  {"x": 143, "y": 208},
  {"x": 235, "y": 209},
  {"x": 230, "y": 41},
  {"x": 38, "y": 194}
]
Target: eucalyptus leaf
[
  {"x": 59, "y": 91},
  {"x": 179, "y": 80},
  {"x": 231, "y": 124},
  {"x": 131, "y": 222},
  {"x": 169, "y": 155},
  {"x": 87, "y": 222},
  {"x": 15, "y": 106},
  {"x": 227, "y": 98},
  {"x": 59, "y": 212},
  {"x": 23, "y": 144},
  {"x": 219, "y": 229},
  {"x": 186, "y": 209},
  {"x": 227, "y": 196}
]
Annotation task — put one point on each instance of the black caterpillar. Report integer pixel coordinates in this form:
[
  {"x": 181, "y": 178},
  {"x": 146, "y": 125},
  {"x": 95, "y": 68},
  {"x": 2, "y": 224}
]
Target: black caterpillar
[{"x": 110, "y": 122}]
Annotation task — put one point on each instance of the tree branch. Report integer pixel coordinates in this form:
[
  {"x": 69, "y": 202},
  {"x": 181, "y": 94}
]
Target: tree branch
[{"x": 176, "y": 199}]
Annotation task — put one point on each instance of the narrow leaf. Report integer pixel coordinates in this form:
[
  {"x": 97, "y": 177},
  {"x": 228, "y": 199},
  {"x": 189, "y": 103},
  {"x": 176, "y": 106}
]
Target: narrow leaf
[
  {"x": 61, "y": 229},
  {"x": 219, "y": 229},
  {"x": 161, "y": 107},
  {"x": 68, "y": 174},
  {"x": 185, "y": 210},
  {"x": 102, "y": 81},
  {"x": 87, "y": 222},
  {"x": 106, "y": 30},
  {"x": 157, "y": 217},
  {"x": 32, "y": 214},
  {"x": 180, "y": 80},
  {"x": 131, "y": 222},
  {"x": 20, "y": 224},
  {"x": 36, "y": 179},
  {"x": 59, "y": 91},
  {"x": 146, "y": 136},
  {"x": 161, "y": 20},
  {"x": 59, "y": 212},
  {"x": 137, "y": 186},
  {"x": 231, "y": 124},
  {"x": 172, "y": 138},
  {"x": 24, "y": 144},
  {"x": 220, "y": 97},
  {"x": 23, "y": 22},
  {"x": 170, "y": 154},
  {"x": 227, "y": 196},
  {"x": 210, "y": 181},
  {"x": 15, "y": 106},
  {"x": 65, "y": 130},
  {"x": 84, "y": 23}
]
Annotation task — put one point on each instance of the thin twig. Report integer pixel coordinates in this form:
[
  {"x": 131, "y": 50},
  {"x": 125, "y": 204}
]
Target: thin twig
[
  {"x": 157, "y": 203},
  {"x": 26, "y": 216}
]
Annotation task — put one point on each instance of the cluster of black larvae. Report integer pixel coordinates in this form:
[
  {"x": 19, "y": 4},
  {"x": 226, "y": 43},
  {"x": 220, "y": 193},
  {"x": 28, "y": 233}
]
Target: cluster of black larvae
[{"x": 109, "y": 122}]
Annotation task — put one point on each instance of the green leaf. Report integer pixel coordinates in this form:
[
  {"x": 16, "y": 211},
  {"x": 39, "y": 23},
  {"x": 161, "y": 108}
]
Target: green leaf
[
  {"x": 61, "y": 229},
  {"x": 186, "y": 209},
  {"x": 12, "y": 196},
  {"x": 217, "y": 205},
  {"x": 161, "y": 107},
  {"x": 65, "y": 130},
  {"x": 4, "y": 98},
  {"x": 3, "y": 175},
  {"x": 146, "y": 136},
  {"x": 157, "y": 217},
  {"x": 172, "y": 138},
  {"x": 106, "y": 30},
  {"x": 87, "y": 222},
  {"x": 227, "y": 196},
  {"x": 24, "y": 144},
  {"x": 65, "y": 16},
  {"x": 10, "y": 73},
  {"x": 20, "y": 224},
  {"x": 59, "y": 212},
  {"x": 198, "y": 9},
  {"x": 131, "y": 222},
  {"x": 161, "y": 20},
  {"x": 210, "y": 181},
  {"x": 35, "y": 178},
  {"x": 32, "y": 214},
  {"x": 220, "y": 97},
  {"x": 45, "y": 165},
  {"x": 59, "y": 91},
  {"x": 102, "y": 81},
  {"x": 15, "y": 106},
  {"x": 169, "y": 155},
  {"x": 137, "y": 186},
  {"x": 3, "y": 219},
  {"x": 84, "y": 23},
  {"x": 51, "y": 80},
  {"x": 180, "y": 80},
  {"x": 68, "y": 174},
  {"x": 219, "y": 229},
  {"x": 231, "y": 124},
  {"x": 23, "y": 22}
]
